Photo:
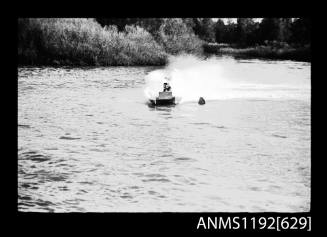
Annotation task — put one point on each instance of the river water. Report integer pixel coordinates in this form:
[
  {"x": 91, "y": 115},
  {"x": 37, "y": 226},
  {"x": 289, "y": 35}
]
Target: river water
[{"x": 88, "y": 142}]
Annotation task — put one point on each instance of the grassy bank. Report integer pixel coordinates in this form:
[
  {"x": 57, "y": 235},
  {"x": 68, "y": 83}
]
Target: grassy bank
[
  {"x": 276, "y": 51},
  {"x": 84, "y": 42}
]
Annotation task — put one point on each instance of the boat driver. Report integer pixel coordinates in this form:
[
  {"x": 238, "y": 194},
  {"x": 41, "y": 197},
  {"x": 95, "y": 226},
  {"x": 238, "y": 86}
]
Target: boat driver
[{"x": 166, "y": 87}]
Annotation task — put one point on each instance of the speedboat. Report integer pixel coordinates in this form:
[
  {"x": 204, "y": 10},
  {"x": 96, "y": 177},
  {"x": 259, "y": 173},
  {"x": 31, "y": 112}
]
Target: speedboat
[{"x": 164, "y": 98}]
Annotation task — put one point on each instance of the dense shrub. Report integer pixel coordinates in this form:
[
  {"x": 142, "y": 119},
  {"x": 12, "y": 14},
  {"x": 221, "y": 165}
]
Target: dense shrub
[
  {"x": 178, "y": 38},
  {"x": 85, "y": 42}
]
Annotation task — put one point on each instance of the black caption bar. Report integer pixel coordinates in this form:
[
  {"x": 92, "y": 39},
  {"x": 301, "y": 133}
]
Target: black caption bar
[{"x": 172, "y": 222}]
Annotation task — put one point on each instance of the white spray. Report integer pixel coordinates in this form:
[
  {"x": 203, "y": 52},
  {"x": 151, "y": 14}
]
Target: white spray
[
  {"x": 212, "y": 79},
  {"x": 189, "y": 78}
]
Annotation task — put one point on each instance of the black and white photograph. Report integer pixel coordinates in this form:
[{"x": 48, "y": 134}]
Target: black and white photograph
[{"x": 164, "y": 115}]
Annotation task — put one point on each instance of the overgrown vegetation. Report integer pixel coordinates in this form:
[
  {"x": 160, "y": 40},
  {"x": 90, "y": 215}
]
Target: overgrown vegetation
[
  {"x": 149, "y": 41},
  {"x": 177, "y": 38},
  {"x": 86, "y": 42}
]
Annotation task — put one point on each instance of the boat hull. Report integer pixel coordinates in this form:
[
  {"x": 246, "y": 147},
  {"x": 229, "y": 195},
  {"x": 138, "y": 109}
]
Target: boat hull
[{"x": 159, "y": 101}]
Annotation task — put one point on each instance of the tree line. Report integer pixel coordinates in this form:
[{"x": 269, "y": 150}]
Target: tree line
[
  {"x": 244, "y": 32},
  {"x": 150, "y": 41}
]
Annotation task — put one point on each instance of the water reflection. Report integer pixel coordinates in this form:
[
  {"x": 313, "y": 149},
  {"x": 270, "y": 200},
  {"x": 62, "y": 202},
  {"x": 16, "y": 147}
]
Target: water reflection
[{"x": 167, "y": 108}]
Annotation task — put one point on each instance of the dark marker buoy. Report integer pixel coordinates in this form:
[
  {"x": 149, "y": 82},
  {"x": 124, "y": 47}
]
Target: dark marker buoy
[{"x": 201, "y": 101}]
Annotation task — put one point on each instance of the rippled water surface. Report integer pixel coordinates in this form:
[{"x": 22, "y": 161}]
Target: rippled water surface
[{"x": 87, "y": 141}]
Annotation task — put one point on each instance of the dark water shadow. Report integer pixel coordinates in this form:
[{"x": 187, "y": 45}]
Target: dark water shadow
[
  {"x": 184, "y": 159},
  {"x": 69, "y": 138},
  {"x": 33, "y": 156},
  {"x": 278, "y": 135},
  {"x": 24, "y": 126}
]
